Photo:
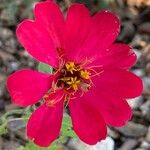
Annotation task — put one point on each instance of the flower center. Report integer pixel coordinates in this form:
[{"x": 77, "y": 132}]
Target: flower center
[
  {"x": 70, "y": 78},
  {"x": 73, "y": 77}
]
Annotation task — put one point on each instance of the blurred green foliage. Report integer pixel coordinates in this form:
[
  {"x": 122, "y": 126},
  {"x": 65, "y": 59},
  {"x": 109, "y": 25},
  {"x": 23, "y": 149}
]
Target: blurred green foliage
[
  {"x": 45, "y": 68},
  {"x": 32, "y": 146},
  {"x": 12, "y": 5},
  {"x": 5, "y": 119},
  {"x": 16, "y": 10},
  {"x": 96, "y": 5}
]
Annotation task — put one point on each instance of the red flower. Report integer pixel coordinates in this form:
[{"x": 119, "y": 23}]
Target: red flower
[{"x": 91, "y": 73}]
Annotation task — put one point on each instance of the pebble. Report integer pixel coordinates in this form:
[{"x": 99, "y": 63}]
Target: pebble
[
  {"x": 61, "y": 147},
  {"x": 129, "y": 144},
  {"x": 138, "y": 53},
  {"x": 5, "y": 33},
  {"x": 2, "y": 83},
  {"x": 5, "y": 56},
  {"x": 139, "y": 149},
  {"x": 138, "y": 72},
  {"x": 148, "y": 135},
  {"x": 7, "y": 18},
  {"x": 145, "y": 27},
  {"x": 146, "y": 54},
  {"x": 128, "y": 31},
  {"x": 10, "y": 145},
  {"x": 10, "y": 107},
  {"x": 21, "y": 133},
  {"x": 1, "y": 143},
  {"x": 145, "y": 145},
  {"x": 15, "y": 124},
  {"x": 147, "y": 69},
  {"x": 146, "y": 82},
  {"x": 107, "y": 144},
  {"x": 138, "y": 3},
  {"x": 10, "y": 45},
  {"x": 135, "y": 102},
  {"x": 14, "y": 66},
  {"x": 133, "y": 130},
  {"x": 145, "y": 108},
  {"x": 144, "y": 15},
  {"x": 2, "y": 104},
  {"x": 112, "y": 133}
]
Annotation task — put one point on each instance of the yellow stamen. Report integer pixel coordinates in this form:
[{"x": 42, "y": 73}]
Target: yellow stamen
[
  {"x": 73, "y": 83},
  {"x": 85, "y": 74},
  {"x": 70, "y": 66}
]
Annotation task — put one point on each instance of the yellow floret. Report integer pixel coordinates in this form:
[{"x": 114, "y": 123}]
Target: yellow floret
[
  {"x": 73, "y": 83},
  {"x": 85, "y": 74},
  {"x": 70, "y": 66}
]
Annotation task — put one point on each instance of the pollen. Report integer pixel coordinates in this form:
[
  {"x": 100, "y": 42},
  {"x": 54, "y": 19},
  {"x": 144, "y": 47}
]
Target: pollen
[
  {"x": 85, "y": 74},
  {"x": 73, "y": 83},
  {"x": 71, "y": 67}
]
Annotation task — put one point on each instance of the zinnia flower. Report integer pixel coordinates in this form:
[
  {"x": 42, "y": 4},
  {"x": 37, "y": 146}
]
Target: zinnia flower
[{"x": 91, "y": 73}]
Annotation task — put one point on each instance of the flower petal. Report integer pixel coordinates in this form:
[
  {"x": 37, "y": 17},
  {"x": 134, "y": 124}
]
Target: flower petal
[
  {"x": 49, "y": 16},
  {"x": 44, "y": 124},
  {"x": 116, "y": 56},
  {"x": 76, "y": 29},
  {"x": 90, "y": 36},
  {"x": 109, "y": 24},
  {"x": 105, "y": 29},
  {"x": 115, "y": 111},
  {"x": 27, "y": 87},
  {"x": 119, "y": 83},
  {"x": 87, "y": 121},
  {"x": 43, "y": 36}
]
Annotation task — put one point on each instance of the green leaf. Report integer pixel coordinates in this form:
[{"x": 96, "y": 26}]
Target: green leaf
[
  {"x": 27, "y": 114},
  {"x": 4, "y": 120},
  {"x": 32, "y": 146},
  {"x": 53, "y": 147},
  {"x": 66, "y": 129},
  {"x": 45, "y": 68},
  {"x": 3, "y": 128}
]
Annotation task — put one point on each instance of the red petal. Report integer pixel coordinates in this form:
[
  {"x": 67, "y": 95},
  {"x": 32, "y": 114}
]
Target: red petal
[
  {"x": 119, "y": 83},
  {"x": 49, "y": 16},
  {"x": 90, "y": 36},
  {"x": 104, "y": 31},
  {"x": 76, "y": 29},
  {"x": 115, "y": 111},
  {"x": 44, "y": 124},
  {"x": 116, "y": 56},
  {"x": 42, "y": 37},
  {"x": 27, "y": 87},
  {"x": 87, "y": 121}
]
